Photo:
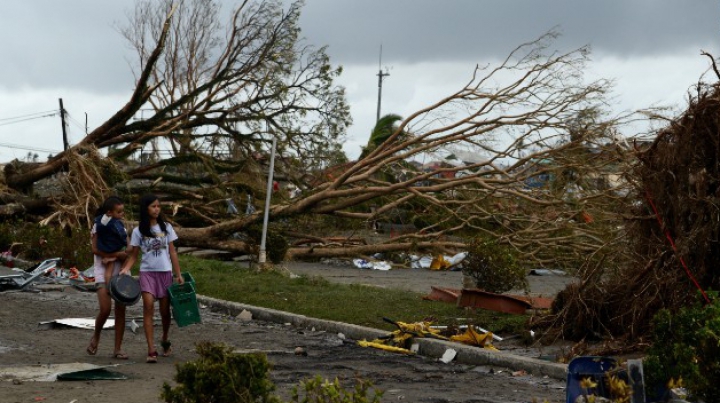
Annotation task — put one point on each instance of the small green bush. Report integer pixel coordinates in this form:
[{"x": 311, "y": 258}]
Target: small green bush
[
  {"x": 317, "y": 390},
  {"x": 493, "y": 267},
  {"x": 220, "y": 375},
  {"x": 686, "y": 345},
  {"x": 276, "y": 246}
]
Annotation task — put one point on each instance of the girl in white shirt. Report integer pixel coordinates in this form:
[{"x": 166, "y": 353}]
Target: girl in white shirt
[{"x": 159, "y": 260}]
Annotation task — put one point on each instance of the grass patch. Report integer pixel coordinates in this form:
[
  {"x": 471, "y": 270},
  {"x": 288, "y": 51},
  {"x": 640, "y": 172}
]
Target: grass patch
[{"x": 319, "y": 298}]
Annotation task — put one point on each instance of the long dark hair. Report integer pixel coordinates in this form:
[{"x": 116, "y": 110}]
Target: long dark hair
[
  {"x": 108, "y": 205},
  {"x": 144, "y": 226}
]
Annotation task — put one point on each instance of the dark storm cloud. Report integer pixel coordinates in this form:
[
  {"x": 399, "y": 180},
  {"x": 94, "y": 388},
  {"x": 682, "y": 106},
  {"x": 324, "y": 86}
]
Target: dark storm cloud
[
  {"x": 69, "y": 43},
  {"x": 75, "y": 43},
  {"x": 414, "y": 31}
]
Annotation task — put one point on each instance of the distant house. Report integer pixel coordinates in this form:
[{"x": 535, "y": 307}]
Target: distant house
[{"x": 438, "y": 166}]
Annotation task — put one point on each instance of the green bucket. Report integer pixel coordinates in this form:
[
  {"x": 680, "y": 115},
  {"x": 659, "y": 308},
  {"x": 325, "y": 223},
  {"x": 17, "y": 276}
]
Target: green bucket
[
  {"x": 188, "y": 278},
  {"x": 184, "y": 303}
]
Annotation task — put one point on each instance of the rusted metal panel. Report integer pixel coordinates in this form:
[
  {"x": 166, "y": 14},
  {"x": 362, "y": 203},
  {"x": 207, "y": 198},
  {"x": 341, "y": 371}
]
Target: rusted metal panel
[
  {"x": 475, "y": 298},
  {"x": 452, "y": 295},
  {"x": 443, "y": 294}
]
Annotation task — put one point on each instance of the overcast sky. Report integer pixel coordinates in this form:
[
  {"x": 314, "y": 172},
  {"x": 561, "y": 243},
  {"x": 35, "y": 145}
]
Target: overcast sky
[{"x": 71, "y": 49}]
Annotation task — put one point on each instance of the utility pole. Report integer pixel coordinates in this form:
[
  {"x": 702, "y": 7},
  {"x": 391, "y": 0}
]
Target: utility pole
[
  {"x": 263, "y": 254},
  {"x": 64, "y": 130},
  {"x": 380, "y": 75}
]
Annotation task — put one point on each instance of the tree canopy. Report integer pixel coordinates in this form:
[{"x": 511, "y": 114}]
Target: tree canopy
[{"x": 544, "y": 177}]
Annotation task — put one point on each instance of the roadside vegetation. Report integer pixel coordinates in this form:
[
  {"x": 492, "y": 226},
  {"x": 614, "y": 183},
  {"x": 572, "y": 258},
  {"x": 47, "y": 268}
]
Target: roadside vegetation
[
  {"x": 318, "y": 298},
  {"x": 310, "y": 296},
  {"x": 221, "y": 375}
]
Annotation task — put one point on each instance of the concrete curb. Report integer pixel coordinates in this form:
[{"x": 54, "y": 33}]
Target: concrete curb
[{"x": 428, "y": 347}]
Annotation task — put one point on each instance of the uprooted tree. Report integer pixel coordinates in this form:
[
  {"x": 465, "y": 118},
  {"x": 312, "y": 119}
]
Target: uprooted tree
[
  {"x": 545, "y": 177},
  {"x": 672, "y": 234}
]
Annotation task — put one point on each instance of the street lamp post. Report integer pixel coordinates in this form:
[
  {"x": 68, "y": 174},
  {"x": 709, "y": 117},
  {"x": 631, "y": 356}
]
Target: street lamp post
[{"x": 262, "y": 258}]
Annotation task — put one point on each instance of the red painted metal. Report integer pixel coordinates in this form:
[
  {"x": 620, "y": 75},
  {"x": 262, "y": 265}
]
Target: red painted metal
[
  {"x": 452, "y": 295},
  {"x": 538, "y": 302},
  {"x": 443, "y": 294},
  {"x": 475, "y": 298}
]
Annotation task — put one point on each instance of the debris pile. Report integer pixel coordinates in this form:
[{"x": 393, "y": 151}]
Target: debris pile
[
  {"x": 402, "y": 340},
  {"x": 49, "y": 271},
  {"x": 674, "y": 232},
  {"x": 431, "y": 262}
]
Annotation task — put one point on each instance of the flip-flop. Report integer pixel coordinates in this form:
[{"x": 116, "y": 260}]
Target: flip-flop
[
  {"x": 120, "y": 355},
  {"x": 167, "y": 348},
  {"x": 92, "y": 347},
  {"x": 152, "y": 358}
]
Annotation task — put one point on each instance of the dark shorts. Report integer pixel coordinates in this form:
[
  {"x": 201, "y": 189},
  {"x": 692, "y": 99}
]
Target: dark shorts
[{"x": 156, "y": 283}]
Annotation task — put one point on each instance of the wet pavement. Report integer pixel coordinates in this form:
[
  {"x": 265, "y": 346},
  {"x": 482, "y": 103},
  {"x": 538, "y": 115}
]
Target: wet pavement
[{"x": 410, "y": 378}]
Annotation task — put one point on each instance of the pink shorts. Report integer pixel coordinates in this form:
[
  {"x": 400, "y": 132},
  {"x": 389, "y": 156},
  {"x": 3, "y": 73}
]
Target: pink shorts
[
  {"x": 100, "y": 273},
  {"x": 156, "y": 283}
]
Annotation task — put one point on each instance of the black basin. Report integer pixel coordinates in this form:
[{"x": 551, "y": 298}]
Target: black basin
[{"x": 124, "y": 289}]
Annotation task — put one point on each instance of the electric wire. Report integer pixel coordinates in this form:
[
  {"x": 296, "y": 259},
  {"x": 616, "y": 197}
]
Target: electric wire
[
  {"x": 28, "y": 148},
  {"x": 26, "y": 119},
  {"x": 74, "y": 121},
  {"x": 27, "y": 115}
]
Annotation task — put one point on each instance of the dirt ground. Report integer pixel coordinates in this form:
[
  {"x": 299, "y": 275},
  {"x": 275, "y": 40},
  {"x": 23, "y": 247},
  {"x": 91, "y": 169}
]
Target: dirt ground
[{"x": 409, "y": 378}]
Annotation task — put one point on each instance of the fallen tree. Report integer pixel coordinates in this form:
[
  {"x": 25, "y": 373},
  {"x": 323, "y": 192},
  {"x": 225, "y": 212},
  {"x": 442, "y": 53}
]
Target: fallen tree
[
  {"x": 672, "y": 234},
  {"x": 546, "y": 175}
]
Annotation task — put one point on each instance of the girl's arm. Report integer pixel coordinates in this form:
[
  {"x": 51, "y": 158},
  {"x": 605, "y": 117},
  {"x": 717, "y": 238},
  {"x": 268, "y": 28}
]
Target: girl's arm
[
  {"x": 132, "y": 256},
  {"x": 175, "y": 263}
]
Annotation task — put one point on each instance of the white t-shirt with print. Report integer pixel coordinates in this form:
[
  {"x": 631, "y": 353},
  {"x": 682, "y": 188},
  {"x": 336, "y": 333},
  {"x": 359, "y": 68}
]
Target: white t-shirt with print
[{"x": 155, "y": 251}]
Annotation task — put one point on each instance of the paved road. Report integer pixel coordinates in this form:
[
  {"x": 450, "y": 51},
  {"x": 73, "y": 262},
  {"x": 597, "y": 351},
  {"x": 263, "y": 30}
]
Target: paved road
[
  {"x": 407, "y": 378},
  {"x": 417, "y": 280}
]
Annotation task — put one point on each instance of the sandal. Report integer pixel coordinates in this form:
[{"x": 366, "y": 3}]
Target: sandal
[
  {"x": 152, "y": 358},
  {"x": 120, "y": 355},
  {"x": 167, "y": 348},
  {"x": 92, "y": 347}
]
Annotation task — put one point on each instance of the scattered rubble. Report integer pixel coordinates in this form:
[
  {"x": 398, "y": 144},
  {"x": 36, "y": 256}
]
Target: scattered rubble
[
  {"x": 49, "y": 271},
  {"x": 375, "y": 265}
]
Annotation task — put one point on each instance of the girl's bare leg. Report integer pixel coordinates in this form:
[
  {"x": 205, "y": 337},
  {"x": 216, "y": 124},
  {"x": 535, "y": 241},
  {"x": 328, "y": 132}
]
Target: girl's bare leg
[
  {"x": 148, "y": 314},
  {"x": 120, "y": 310},
  {"x": 105, "y": 305}
]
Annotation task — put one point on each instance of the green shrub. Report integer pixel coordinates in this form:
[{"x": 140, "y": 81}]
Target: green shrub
[
  {"x": 276, "y": 246},
  {"x": 220, "y": 375},
  {"x": 493, "y": 267},
  {"x": 42, "y": 242},
  {"x": 317, "y": 390},
  {"x": 686, "y": 345}
]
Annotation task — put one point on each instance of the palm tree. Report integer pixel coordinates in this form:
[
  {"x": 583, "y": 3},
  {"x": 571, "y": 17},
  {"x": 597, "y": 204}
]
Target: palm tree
[{"x": 384, "y": 128}]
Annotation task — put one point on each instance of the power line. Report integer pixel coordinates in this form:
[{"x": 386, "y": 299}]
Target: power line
[
  {"x": 27, "y": 148},
  {"x": 75, "y": 121},
  {"x": 25, "y": 116},
  {"x": 26, "y": 119}
]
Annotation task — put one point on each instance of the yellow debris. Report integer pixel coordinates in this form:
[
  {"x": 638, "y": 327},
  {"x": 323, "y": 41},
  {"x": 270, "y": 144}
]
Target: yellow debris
[
  {"x": 473, "y": 338},
  {"x": 619, "y": 390},
  {"x": 439, "y": 263},
  {"x": 587, "y": 383},
  {"x": 672, "y": 383},
  {"x": 420, "y": 329},
  {"x": 381, "y": 346}
]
